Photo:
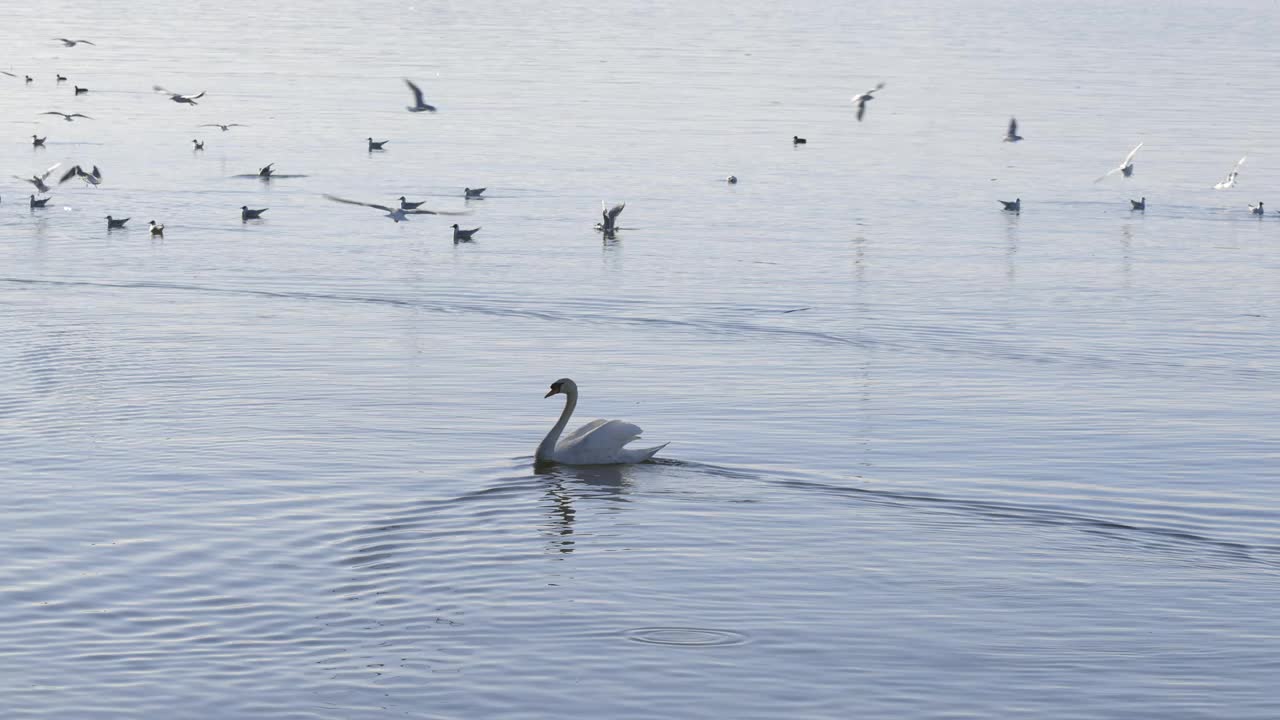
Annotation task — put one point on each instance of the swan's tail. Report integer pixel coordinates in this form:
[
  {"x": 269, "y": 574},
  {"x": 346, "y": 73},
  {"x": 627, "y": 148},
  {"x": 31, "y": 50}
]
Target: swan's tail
[{"x": 650, "y": 452}]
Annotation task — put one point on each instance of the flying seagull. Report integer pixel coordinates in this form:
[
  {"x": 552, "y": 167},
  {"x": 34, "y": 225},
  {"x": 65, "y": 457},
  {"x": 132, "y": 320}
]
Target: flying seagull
[
  {"x": 1230, "y": 182},
  {"x": 224, "y": 128},
  {"x": 247, "y": 214},
  {"x": 610, "y": 215},
  {"x": 93, "y": 178},
  {"x": 418, "y": 104},
  {"x": 38, "y": 180},
  {"x": 1012, "y": 134},
  {"x": 460, "y": 235},
  {"x": 1126, "y": 167},
  {"x": 399, "y": 214},
  {"x": 68, "y": 118},
  {"x": 178, "y": 97},
  {"x": 1015, "y": 206},
  {"x": 72, "y": 43},
  {"x": 865, "y": 98}
]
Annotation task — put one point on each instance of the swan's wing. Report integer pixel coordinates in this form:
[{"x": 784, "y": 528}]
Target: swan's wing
[
  {"x": 1129, "y": 158},
  {"x": 599, "y": 439}
]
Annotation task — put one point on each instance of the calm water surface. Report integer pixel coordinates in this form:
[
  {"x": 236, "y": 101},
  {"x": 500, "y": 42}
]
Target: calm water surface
[{"x": 928, "y": 460}]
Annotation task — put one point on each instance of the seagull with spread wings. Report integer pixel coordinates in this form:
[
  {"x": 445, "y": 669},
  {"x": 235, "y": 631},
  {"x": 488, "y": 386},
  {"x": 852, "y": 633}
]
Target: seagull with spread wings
[
  {"x": 418, "y": 104},
  {"x": 1230, "y": 182},
  {"x": 1126, "y": 167},
  {"x": 865, "y": 98},
  {"x": 1011, "y": 135},
  {"x": 222, "y": 127},
  {"x": 68, "y": 118},
  {"x": 67, "y": 42},
  {"x": 179, "y": 97},
  {"x": 38, "y": 180},
  {"x": 399, "y": 214}
]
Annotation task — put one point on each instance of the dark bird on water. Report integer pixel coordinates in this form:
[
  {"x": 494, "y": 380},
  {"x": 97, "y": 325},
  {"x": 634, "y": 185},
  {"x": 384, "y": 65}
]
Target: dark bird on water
[
  {"x": 156, "y": 230},
  {"x": 460, "y": 235},
  {"x": 114, "y": 224},
  {"x": 247, "y": 214},
  {"x": 376, "y": 145},
  {"x": 1015, "y": 206},
  {"x": 1011, "y": 135},
  {"x": 38, "y": 203},
  {"x": 797, "y": 140},
  {"x": 1138, "y": 205},
  {"x": 609, "y": 223},
  {"x": 473, "y": 192},
  {"x": 38, "y": 141},
  {"x": 80, "y": 90},
  {"x": 197, "y": 145}
]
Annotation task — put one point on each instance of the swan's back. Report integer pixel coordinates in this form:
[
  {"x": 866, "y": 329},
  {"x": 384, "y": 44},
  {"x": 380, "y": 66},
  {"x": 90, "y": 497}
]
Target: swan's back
[{"x": 603, "y": 442}]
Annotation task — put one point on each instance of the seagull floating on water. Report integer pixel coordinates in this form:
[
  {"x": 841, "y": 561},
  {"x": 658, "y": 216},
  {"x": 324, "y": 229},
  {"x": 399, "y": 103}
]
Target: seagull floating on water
[
  {"x": 28, "y": 79},
  {"x": 38, "y": 203},
  {"x": 1138, "y": 205},
  {"x": 93, "y": 178},
  {"x": 223, "y": 128},
  {"x": 265, "y": 172},
  {"x": 1126, "y": 167},
  {"x": 247, "y": 214},
  {"x": 196, "y": 145},
  {"x": 179, "y": 97},
  {"x": 1015, "y": 206},
  {"x": 418, "y": 104},
  {"x": 473, "y": 192},
  {"x": 797, "y": 140},
  {"x": 1256, "y": 209},
  {"x": 460, "y": 235},
  {"x": 80, "y": 91},
  {"x": 38, "y": 180},
  {"x": 68, "y": 118},
  {"x": 38, "y": 141},
  {"x": 1011, "y": 135},
  {"x": 732, "y": 179},
  {"x": 865, "y": 98},
  {"x": 67, "y": 42},
  {"x": 406, "y": 205},
  {"x": 1230, "y": 182},
  {"x": 610, "y": 214},
  {"x": 399, "y": 214},
  {"x": 114, "y": 224},
  {"x": 156, "y": 230},
  {"x": 60, "y": 78},
  {"x": 376, "y": 145}
]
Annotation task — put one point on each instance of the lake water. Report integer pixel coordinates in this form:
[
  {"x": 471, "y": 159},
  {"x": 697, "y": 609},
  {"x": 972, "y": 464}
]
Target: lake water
[{"x": 928, "y": 459}]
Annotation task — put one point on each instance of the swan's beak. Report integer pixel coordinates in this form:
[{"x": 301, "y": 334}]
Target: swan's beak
[{"x": 551, "y": 392}]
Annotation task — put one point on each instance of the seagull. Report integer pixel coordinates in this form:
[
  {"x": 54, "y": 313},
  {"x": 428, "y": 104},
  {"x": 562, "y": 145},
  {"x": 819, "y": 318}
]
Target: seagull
[
  {"x": 399, "y": 214},
  {"x": 80, "y": 90},
  {"x": 732, "y": 179},
  {"x": 28, "y": 79},
  {"x": 1138, "y": 205},
  {"x": 60, "y": 77},
  {"x": 113, "y": 223},
  {"x": 224, "y": 128},
  {"x": 72, "y": 43},
  {"x": 473, "y": 192},
  {"x": 178, "y": 97},
  {"x": 1126, "y": 167},
  {"x": 38, "y": 180},
  {"x": 406, "y": 205},
  {"x": 1015, "y": 206},
  {"x": 460, "y": 235},
  {"x": 93, "y": 178},
  {"x": 610, "y": 215},
  {"x": 156, "y": 230},
  {"x": 1256, "y": 209},
  {"x": 38, "y": 141},
  {"x": 418, "y": 104},
  {"x": 247, "y": 214},
  {"x": 1012, "y": 134},
  {"x": 1230, "y": 182},
  {"x": 265, "y": 172},
  {"x": 68, "y": 118},
  {"x": 797, "y": 140},
  {"x": 865, "y": 98},
  {"x": 376, "y": 145},
  {"x": 38, "y": 203},
  {"x": 196, "y": 145}
]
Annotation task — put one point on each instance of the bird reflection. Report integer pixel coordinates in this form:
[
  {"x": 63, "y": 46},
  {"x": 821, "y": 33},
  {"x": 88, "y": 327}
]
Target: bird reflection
[{"x": 572, "y": 483}]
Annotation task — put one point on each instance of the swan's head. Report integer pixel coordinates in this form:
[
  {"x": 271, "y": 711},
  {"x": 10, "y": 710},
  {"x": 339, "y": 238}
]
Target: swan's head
[{"x": 563, "y": 385}]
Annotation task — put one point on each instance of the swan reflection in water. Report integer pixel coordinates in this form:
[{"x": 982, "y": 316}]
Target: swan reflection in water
[{"x": 570, "y": 483}]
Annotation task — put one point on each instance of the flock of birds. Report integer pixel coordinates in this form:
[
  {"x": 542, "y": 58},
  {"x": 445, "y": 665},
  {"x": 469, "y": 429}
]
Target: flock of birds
[{"x": 597, "y": 442}]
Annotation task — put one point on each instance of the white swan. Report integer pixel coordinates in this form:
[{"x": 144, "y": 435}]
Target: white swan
[{"x": 599, "y": 442}]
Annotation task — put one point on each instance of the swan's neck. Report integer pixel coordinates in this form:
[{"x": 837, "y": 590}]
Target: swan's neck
[{"x": 548, "y": 446}]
